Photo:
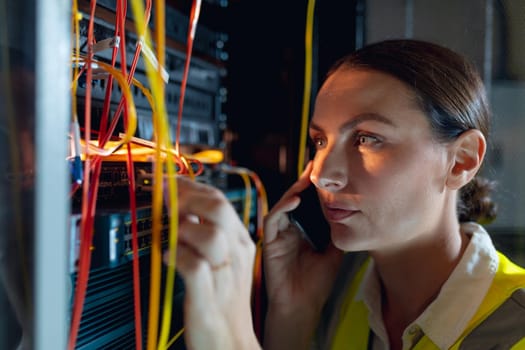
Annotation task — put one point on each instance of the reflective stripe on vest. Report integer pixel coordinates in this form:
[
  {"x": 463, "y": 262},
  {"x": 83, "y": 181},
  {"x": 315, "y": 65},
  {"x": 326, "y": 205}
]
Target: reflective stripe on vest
[
  {"x": 502, "y": 321},
  {"x": 504, "y": 305}
]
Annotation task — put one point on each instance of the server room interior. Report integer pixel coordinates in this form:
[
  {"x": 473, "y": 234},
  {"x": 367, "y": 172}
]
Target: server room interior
[{"x": 257, "y": 83}]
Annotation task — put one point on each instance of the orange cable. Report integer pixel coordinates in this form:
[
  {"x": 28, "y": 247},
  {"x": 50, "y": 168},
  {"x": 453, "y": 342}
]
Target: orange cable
[
  {"x": 85, "y": 229},
  {"x": 262, "y": 210}
]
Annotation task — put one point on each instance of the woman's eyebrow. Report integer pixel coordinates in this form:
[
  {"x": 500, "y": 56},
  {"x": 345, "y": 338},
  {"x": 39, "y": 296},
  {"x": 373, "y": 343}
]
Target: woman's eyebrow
[{"x": 357, "y": 120}]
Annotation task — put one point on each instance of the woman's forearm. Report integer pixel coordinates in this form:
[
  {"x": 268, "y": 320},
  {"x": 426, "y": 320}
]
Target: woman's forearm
[{"x": 289, "y": 330}]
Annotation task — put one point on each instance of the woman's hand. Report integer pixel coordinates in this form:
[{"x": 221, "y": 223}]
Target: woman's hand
[
  {"x": 215, "y": 257},
  {"x": 298, "y": 279}
]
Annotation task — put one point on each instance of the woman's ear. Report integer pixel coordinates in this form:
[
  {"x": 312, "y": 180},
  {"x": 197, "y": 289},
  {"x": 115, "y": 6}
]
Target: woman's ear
[{"x": 467, "y": 155}]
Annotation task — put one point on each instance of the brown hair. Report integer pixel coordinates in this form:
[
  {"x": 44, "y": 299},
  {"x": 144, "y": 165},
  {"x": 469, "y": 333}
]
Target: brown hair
[{"x": 449, "y": 90}]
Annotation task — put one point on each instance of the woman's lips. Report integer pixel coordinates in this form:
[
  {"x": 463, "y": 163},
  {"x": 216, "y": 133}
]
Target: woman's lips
[{"x": 338, "y": 214}]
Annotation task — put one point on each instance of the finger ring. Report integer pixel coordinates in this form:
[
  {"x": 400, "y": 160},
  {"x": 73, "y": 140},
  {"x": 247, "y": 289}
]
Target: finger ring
[{"x": 225, "y": 263}]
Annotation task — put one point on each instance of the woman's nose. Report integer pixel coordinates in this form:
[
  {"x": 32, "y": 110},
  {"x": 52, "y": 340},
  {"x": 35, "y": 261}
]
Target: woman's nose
[{"x": 329, "y": 171}]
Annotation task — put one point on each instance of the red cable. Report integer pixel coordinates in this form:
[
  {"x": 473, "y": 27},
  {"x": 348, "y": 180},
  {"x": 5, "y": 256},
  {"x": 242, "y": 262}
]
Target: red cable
[
  {"x": 90, "y": 197},
  {"x": 74, "y": 189},
  {"x": 85, "y": 229},
  {"x": 135, "y": 247},
  {"x": 130, "y": 79},
  {"x": 184, "y": 81},
  {"x": 107, "y": 96},
  {"x": 104, "y": 139},
  {"x": 200, "y": 166},
  {"x": 131, "y": 187}
]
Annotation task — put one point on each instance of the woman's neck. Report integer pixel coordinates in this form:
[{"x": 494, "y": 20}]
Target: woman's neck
[{"x": 412, "y": 276}]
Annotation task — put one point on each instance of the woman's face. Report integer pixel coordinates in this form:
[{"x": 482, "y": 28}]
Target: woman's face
[{"x": 379, "y": 173}]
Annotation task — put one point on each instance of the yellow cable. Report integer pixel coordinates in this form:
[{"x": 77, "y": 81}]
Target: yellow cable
[
  {"x": 247, "y": 199},
  {"x": 156, "y": 247},
  {"x": 161, "y": 125},
  {"x": 188, "y": 166},
  {"x": 245, "y": 175},
  {"x": 307, "y": 85},
  {"x": 170, "y": 279},
  {"x": 261, "y": 192},
  {"x": 147, "y": 94},
  {"x": 172, "y": 248},
  {"x": 76, "y": 27},
  {"x": 173, "y": 228},
  {"x": 209, "y": 156},
  {"x": 132, "y": 112},
  {"x": 160, "y": 33},
  {"x": 262, "y": 211},
  {"x": 154, "y": 78},
  {"x": 175, "y": 337}
]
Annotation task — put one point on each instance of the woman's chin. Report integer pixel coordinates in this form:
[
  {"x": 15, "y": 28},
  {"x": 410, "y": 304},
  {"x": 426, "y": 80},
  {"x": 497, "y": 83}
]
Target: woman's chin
[{"x": 345, "y": 238}]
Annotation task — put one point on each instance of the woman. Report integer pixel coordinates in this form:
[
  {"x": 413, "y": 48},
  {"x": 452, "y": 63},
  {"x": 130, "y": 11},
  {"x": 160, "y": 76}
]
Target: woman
[{"x": 400, "y": 129}]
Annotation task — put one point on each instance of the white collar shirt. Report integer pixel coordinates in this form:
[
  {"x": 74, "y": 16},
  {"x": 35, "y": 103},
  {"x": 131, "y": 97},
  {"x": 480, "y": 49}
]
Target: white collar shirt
[{"x": 447, "y": 316}]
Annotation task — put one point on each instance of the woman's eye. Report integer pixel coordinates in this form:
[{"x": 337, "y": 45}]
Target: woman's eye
[
  {"x": 318, "y": 142},
  {"x": 366, "y": 140}
]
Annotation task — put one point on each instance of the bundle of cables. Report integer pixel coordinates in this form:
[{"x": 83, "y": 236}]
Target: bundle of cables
[{"x": 168, "y": 160}]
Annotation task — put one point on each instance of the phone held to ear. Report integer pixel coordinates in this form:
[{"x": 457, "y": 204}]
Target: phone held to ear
[{"x": 309, "y": 219}]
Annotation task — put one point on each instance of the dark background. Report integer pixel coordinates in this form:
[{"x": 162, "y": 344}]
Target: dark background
[
  {"x": 265, "y": 74},
  {"x": 266, "y": 77}
]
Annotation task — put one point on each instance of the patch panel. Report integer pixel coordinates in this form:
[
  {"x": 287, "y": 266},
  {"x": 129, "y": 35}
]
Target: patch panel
[{"x": 203, "y": 120}]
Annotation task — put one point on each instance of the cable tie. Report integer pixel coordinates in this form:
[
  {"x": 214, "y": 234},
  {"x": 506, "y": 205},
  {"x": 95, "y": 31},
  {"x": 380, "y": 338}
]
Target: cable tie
[
  {"x": 79, "y": 63},
  {"x": 106, "y": 44},
  {"x": 150, "y": 56},
  {"x": 116, "y": 41}
]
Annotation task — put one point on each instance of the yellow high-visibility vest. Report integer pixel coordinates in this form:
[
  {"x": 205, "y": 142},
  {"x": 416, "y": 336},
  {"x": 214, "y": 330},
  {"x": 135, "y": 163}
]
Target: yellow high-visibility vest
[{"x": 352, "y": 331}]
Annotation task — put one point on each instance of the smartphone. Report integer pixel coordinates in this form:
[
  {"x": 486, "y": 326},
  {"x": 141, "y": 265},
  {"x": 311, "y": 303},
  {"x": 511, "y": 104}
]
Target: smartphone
[{"x": 309, "y": 219}]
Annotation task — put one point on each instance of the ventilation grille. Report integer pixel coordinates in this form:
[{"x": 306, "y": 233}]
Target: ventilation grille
[{"x": 108, "y": 317}]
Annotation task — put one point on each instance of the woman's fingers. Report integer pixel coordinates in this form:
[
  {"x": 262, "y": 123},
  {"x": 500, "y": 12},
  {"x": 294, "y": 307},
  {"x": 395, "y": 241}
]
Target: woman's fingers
[
  {"x": 215, "y": 256},
  {"x": 212, "y": 230},
  {"x": 277, "y": 219},
  {"x": 194, "y": 270},
  {"x": 208, "y": 203},
  {"x": 207, "y": 241},
  {"x": 302, "y": 182}
]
